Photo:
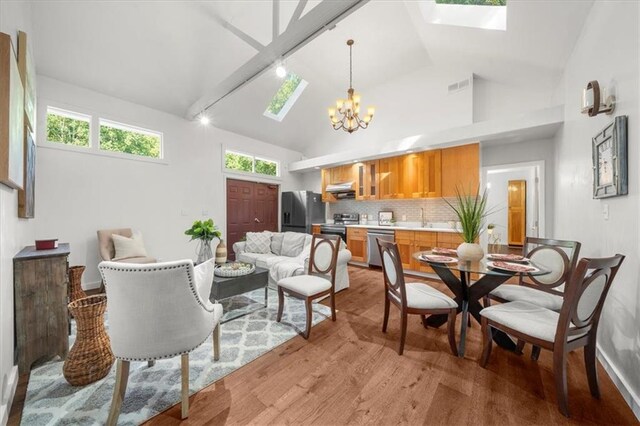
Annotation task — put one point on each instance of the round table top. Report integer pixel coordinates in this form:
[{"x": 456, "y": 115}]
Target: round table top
[{"x": 480, "y": 267}]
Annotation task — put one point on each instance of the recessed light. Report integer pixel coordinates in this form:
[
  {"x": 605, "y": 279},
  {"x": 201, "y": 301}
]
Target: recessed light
[
  {"x": 356, "y": 161},
  {"x": 281, "y": 71},
  {"x": 204, "y": 120},
  {"x": 317, "y": 168},
  {"x": 409, "y": 151}
]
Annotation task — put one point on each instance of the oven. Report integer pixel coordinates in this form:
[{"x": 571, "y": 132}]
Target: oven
[{"x": 339, "y": 225}]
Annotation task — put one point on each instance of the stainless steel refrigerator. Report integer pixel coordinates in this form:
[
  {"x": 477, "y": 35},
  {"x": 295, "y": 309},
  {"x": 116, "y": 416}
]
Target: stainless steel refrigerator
[{"x": 300, "y": 209}]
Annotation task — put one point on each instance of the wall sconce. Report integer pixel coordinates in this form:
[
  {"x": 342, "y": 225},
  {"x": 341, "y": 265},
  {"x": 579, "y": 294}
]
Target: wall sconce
[{"x": 592, "y": 100}]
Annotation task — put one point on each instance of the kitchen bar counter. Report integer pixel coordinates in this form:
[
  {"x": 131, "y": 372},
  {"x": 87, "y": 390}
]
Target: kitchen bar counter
[{"x": 405, "y": 228}]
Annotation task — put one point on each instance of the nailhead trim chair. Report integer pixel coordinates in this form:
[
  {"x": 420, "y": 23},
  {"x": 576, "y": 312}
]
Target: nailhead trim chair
[
  {"x": 574, "y": 327},
  {"x": 158, "y": 311},
  {"x": 320, "y": 280},
  {"x": 412, "y": 298}
]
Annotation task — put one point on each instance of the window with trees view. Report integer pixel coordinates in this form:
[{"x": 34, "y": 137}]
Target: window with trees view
[
  {"x": 236, "y": 161},
  {"x": 68, "y": 128},
  {"x": 287, "y": 95},
  {"x": 118, "y": 137}
]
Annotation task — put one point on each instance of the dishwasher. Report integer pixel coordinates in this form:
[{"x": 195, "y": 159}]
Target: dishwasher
[{"x": 373, "y": 258}]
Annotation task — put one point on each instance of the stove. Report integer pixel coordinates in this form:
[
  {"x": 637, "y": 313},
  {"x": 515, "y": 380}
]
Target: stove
[{"x": 338, "y": 227}]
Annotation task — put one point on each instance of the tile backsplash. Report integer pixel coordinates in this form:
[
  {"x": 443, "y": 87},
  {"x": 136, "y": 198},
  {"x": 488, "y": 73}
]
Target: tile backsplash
[{"x": 435, "y": 210}]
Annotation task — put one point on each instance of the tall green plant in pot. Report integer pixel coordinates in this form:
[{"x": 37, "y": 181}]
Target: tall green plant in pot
[
  {"x": 471, "y": 211},
  {"x": 204, "y": 232}
]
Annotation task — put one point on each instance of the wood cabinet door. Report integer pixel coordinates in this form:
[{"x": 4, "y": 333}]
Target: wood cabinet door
[
  {"x": 357, "y": 244},
  {"x": 423, "y": 241},
  {"x": 326, "y": 180},
  {"x": 390, "y": 177},
  {"x": 517, "y": 212},
  {"x": 360, "y": 172},
  {"x": 405, "y": 242},
  {"x": 371, "y": 180},
  {"x": 412, "y": 176},
  {"x": 432, "y": 173},
  {"x": 461, "y": 169}
]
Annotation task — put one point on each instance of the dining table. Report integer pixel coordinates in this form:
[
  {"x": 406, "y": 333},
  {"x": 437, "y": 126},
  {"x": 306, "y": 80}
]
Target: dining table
[{"x": 459, "y": 276}]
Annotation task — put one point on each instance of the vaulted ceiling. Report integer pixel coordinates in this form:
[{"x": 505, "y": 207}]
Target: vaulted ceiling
[{"x": 172, "y": 55}]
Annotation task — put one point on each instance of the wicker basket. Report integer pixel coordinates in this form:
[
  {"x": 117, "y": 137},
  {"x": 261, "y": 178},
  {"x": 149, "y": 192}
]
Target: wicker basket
[
  {"x": 75, "y": 283},
  {"x": 90, "y": 358}
]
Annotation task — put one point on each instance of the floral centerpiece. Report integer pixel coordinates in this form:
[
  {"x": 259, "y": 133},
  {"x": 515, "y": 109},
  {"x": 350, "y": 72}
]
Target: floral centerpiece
[
  {"x": 471, "y": 211},
  {"x": 204, "y": 232}
]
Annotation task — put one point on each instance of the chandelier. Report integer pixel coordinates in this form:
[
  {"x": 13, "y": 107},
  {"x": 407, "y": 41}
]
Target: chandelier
[{"x": 348, "y": 110}]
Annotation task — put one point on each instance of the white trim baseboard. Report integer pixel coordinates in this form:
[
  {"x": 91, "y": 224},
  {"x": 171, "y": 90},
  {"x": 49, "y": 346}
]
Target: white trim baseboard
[
  {"x": 12, "y": 384},
  {"x": 625, "y": 390}
]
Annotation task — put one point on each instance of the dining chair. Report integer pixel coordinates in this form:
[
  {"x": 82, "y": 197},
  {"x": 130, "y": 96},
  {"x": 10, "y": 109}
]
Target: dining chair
[
  {"x": 412, "y": 298},
  {"x": 557, "y": 256},
  {"x": 320, "y": 279},
  {"x": 158, "y": 311},
  {"x": 575, "y": 326}
]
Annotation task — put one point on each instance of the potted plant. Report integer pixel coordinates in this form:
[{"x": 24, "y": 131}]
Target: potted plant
[
  {"x": 471, "y": 211},
  {"x": 204, "y": 232}
]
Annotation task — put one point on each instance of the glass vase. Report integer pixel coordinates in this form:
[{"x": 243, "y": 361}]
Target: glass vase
[{"x": 204, "y": 251}]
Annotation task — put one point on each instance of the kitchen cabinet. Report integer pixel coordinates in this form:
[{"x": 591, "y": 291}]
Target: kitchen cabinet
[
  {"x": 412, "y": 176},
  {"x": 366, "y": 174},
  {"x": 341, "y": 174},
  {"x": 423, "y": 241},
  {"x": 432, "y": 173},
  {"x": 461, "y": 169},
  {"x": 357, "y": 244},
  {"x": 390, "y": 178},
  {"x": 406, "y": 242},
  {"x": 327, "y": 197}
]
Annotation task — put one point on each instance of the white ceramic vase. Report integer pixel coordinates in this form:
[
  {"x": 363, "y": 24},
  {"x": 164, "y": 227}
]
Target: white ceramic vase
[{"x": 470, "y": 252}]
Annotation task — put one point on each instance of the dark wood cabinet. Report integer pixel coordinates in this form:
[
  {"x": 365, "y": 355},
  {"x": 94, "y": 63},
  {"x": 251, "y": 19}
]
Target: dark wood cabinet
[{"x": 41, "y": 284}]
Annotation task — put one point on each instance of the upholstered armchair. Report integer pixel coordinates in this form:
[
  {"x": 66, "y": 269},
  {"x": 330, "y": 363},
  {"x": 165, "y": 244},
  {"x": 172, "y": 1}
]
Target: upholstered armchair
[
  {"x": 158, "y": 311},
  {"x": 107, "y": 248}
]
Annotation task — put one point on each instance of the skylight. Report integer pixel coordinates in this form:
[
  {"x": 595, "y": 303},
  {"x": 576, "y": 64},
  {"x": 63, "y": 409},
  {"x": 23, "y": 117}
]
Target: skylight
[
  {"x": 483, "y": 14},
  {"x": 285, "y": 97}
]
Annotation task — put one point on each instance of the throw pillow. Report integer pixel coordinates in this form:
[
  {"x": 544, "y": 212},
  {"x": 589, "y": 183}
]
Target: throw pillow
[
  {"x": 128, "y": 247},
  {"x": 276, "y": 243},
  {"x": 292, "y": 244},
  {"x": 258, "y": 242}
]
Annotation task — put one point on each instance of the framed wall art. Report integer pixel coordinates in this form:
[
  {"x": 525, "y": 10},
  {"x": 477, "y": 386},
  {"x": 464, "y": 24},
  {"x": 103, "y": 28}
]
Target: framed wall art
[
  {"x": 27, "y": 69},
  {"x": 610, "y": 170},
  {"x": 26, "y": 196},
  {"x": 11, "y": 117}
]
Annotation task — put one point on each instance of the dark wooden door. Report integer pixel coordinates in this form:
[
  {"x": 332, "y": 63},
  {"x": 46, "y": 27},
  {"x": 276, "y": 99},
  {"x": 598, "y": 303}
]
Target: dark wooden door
[{"x": 251, "y": 207}]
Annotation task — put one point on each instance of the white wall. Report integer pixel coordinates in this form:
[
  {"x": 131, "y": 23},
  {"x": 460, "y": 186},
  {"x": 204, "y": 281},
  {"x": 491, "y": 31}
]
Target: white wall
[
  {"x": 14, "y": 233},
  {"x": 522, "y": 152},
  {"x": 411, "y": 104},
  {"x": 607, "y": 50},
  {"x": 78, "y": 193},
  {"x": 493, "y": 100}
]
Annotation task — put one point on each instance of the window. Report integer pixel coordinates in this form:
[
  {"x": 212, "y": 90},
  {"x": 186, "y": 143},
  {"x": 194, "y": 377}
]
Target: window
[
  {"x": 285, "y": 97},
  {"x": 68, "y": 127},
  {"x": 474, "y": 2},
  {"x": 238, "y": 162},
  {"x": 118, "y": 137}
]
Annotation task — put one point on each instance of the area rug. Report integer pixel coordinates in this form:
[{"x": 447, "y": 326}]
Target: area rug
[{"x": 50, "y": 400}]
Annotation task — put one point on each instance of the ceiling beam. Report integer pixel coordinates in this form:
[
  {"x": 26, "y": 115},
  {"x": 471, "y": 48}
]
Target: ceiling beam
[
  {"x": 297, "y": 12},
  {"x": 275, "y": 30},
  {"x": 321, "y": 18}
]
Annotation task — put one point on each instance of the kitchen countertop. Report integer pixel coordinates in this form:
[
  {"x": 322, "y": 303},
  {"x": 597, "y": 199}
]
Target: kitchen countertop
[{"x": 405, "y": 228}]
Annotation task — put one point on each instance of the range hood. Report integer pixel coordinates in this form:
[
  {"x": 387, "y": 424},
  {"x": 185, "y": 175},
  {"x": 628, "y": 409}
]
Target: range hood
[{"x": 341, "y": 188}]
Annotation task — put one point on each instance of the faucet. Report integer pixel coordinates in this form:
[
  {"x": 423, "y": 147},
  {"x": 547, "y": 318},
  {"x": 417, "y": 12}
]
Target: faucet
[{"x": 422, "y": 216}]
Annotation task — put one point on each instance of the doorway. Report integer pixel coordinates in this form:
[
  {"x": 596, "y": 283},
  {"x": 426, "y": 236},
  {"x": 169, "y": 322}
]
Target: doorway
[
  {"x": 516, "y": 197},
  {"x": 251, "y": 207}
]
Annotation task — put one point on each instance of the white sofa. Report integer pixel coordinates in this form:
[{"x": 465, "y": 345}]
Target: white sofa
[{"x": 289, "y": 256}]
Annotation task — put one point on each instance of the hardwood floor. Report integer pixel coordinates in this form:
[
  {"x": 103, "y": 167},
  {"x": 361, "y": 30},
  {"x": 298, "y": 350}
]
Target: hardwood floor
[{"x": 349, "y": 372}]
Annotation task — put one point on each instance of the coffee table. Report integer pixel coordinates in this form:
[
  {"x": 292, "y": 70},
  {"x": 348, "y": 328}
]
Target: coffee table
[{"x": 224, "y": 288}]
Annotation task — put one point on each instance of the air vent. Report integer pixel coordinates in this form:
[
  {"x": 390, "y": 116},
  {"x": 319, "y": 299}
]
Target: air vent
[{"x": 459, "y": 86}]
